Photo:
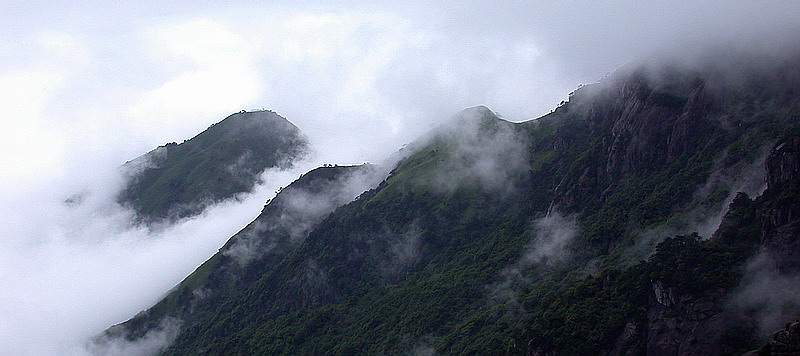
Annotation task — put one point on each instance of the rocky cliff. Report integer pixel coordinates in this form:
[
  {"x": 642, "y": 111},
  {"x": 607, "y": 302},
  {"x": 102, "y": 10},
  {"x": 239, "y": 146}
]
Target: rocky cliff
[
  {"x": 780, "y": 231},
  {"x": 785, "y": 342},
  {"x": 702, "y": 322}
]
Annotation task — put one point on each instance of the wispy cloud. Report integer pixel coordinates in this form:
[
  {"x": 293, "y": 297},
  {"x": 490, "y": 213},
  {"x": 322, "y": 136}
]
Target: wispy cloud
[
  {"x": 151, "y": 343},
  {"x": 85, "y": 266},
  {"x": 550, "y": 244},
  {"x": 766, "y": 295}
]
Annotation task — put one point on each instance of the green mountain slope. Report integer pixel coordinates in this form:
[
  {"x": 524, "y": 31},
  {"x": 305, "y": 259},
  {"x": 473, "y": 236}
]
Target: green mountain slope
[
  {"x": 552, "y": 236},
  {"x": 282, "y": 225},
  {"x": 179, "y": 180}
]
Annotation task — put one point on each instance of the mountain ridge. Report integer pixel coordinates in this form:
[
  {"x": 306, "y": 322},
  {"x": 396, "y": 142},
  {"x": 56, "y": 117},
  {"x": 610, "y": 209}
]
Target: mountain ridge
[
  {"x": 517, "y": 238},
  {"x": 176, "y": 181}
]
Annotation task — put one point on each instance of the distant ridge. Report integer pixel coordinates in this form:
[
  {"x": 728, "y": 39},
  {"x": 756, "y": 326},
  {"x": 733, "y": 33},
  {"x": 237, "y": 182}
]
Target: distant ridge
[{"x": 176, "y": 181}]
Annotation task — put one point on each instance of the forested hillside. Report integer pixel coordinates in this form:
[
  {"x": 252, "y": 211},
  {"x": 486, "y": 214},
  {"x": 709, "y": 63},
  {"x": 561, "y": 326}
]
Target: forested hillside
[{"x": 636, "y": 218}]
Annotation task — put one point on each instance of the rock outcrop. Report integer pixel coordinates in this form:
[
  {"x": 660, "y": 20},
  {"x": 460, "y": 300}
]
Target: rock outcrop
[
  {"x": 781, "y": 226},
  {"x": 784, "y": 343},
  {"x": 683, "y": 324},
  {"x": 636, "y": 125}
]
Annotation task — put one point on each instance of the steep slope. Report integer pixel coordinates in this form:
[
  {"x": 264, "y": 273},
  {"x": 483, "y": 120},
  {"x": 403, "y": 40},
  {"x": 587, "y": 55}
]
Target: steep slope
[
  {"x": 553, "y": 236},
  {"x": 179, "y": 180},
  {"x": 282, "y": 225}
]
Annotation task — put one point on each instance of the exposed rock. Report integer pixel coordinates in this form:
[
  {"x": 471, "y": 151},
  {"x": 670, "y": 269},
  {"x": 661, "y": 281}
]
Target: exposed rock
[
  {"x": 682, "y": 324},
  {"x": 785, "y": 342},
  {"x": 638, "y": 125},
  {"x": 629, "y": 343},
  {"x": 783, "y": 163},
  {"x": 781, "y": 213}
]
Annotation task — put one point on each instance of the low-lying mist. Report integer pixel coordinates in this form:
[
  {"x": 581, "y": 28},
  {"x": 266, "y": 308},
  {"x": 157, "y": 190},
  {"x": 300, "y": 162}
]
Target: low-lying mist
[
  {"x": 474, "y": 148},
  {"x": 302, "y": 207},
  {"x": 550, "y": 245},
  {"x": 748, "y": 177},
  {"x": 765, "y": 295},
  {"x": 72, "y": 270}
]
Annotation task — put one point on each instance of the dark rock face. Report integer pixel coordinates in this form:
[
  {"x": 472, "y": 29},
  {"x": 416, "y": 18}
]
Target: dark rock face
[
  {"x": 639, "y": 125},
  {"x": 649, "y": 121},
  {"x": 628, "y": 343},
  {"x": 781, "y": 227},
  {"x": 686, "y": 324},
  {"x": 646, "y": 124},
  {"x": 783, "y": 164},
  {"x": 785, "y": 342},
  {"x": 682, "y": 324}
]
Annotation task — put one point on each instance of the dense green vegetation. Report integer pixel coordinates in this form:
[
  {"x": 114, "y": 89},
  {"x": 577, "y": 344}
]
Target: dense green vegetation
[
  {"x": 180, "y": 180},
  {"x": 437, "y": 256},
  {"x": 596, "y": 308}
]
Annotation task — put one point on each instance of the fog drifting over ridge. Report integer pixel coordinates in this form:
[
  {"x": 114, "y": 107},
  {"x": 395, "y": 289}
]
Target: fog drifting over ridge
[
  {"x": 84, "y": 88},
  {"x": 132, "y": 78},
  {"x": 78, "y": 270}
]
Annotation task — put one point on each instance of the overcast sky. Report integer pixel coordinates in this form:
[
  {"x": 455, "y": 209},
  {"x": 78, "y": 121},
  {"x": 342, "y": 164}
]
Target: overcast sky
[{"x": 85, "y": 86}]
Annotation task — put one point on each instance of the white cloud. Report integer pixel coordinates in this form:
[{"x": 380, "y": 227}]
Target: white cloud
[
  {"x": 214, "y": 72},
  {"x": 63, "y": 46},
  {"x": 30, "y": 147},
  {"x": 31, "y": 141},
  {"x": 71, "y": 271}
]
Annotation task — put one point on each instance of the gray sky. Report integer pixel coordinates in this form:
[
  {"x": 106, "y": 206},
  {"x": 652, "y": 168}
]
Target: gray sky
[
  {"x": 86, "y": 86},
  {"x": 81, "y": 78}
]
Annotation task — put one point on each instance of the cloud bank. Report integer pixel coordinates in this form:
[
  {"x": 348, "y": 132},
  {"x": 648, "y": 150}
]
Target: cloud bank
[{"x": 71, "y": 271}]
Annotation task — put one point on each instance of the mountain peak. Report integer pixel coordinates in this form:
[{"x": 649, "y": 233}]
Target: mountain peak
[
  {"x": 479, "y": 113},
  {"x": 179, "y": 180}
]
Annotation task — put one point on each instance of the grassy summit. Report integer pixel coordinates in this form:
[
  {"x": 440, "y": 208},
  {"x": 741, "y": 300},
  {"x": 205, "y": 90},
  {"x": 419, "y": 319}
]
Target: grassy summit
[{"x": 179, "y": 180}]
